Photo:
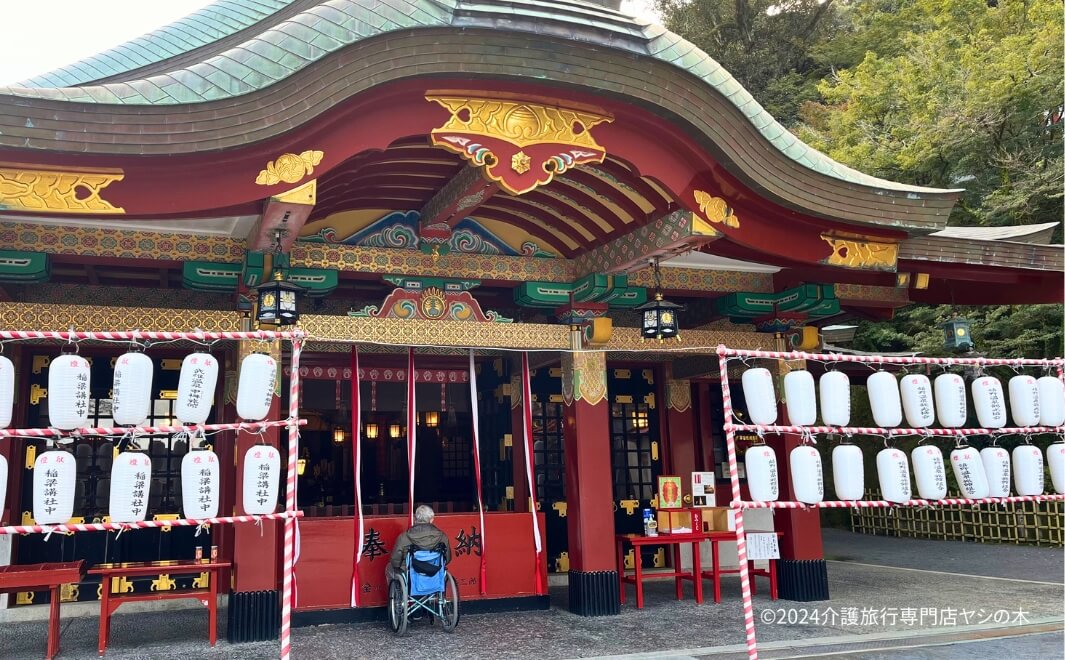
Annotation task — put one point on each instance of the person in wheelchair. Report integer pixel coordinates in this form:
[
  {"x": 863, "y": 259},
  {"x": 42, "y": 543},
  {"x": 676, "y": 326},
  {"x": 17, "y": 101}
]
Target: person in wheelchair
[
  {"x": 424, "y": 535},
  {"x": 418, "y": 581}
]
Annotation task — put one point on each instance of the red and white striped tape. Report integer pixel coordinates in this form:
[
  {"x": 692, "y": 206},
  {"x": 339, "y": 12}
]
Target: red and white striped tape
[
  {"x": 288, "y": 578},
  {"x": 250, "y": 427},
  {"x": 873, "y": 430},
  {"x": 880, "y": 504},
  {"x": 724, "y": 351},
  {"x": 143, "y": 334},
  {"x": 144, "y": 524}
]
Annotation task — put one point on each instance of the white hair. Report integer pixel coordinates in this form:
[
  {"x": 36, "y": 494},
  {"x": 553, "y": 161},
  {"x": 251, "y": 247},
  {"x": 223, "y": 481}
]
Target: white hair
[{"x": 424, "y": 514}]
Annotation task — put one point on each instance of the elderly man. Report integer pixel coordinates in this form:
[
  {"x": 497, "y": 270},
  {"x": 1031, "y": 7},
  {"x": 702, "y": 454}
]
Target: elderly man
[{"x": 424, "y": 535}]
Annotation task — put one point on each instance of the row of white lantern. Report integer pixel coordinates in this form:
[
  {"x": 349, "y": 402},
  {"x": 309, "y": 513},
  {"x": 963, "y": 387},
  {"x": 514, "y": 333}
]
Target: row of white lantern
[
  {"x": 55, "y": 475},
  {"x": 1033, "y": 401},
  {"x": 69, "y": 389},
  {"x": 986, "y": 473}
]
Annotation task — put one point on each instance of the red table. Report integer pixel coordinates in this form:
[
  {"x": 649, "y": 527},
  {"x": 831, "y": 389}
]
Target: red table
[
  {"x": 637, "y": 541},
  {"x": 716, "y": 571},
  {"x": 50, "y": 576},
  {"x": 110, "y": 602}
]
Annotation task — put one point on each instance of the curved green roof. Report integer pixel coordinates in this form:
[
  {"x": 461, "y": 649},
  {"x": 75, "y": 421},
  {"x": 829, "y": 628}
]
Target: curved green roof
[{"x": 283, "y": 47}]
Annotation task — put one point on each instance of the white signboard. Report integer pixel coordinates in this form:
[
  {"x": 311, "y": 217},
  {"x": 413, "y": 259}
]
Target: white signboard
[
  {"x": 762, "y": 546},
  {"x": 703, "y": 491}
]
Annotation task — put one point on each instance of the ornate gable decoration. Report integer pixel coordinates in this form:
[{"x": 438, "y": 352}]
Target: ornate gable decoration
[
  {"x": 520, "y": 145},
  {"x": 28, "y": 188},
  {"x": 430, "y": 300}
]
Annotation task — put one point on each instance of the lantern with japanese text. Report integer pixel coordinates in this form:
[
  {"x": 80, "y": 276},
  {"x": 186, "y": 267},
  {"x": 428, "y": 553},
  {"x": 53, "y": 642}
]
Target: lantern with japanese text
[
  {"x": 950, "y": 400},
  {"x": 199, "y": 484},
  {"x": 68, "y": 392},
  {"x": 1051, "y": 401},
  {"x": 893, "y": 473},
  {"x": 917, "y": 402},
  {"x": 884, "y": 399},
  {"x": 255, "y": 390},
  {"x": 132, "y": 389},
  {"x": 762, "y": 477},
  {"x": 1028, "y": 470},
  {"x": 1056, "y": 461},
  {"x": 54, "y": 475},
  {"x": 262, "y": 474},
  {"x": 3, "y": 486},
  {"x": 989, "y": 402},
  {"x": 848, "y": 472},
  {"x": 969, "y": 472},
  {"x": 7, "y": 391},
  {"x": 996, "y": 462},
  {"x": 131, "y": 482},
  {"x": 807, "y": 480},
  {"x": 835, "y": 398},
  {"x": 929, "y": 472},
  {"x": 759, "y": 395},
  {"x": 801, "y": 398},
  {"x": 196, "y": 384},
  {"x": 1024, "y": 400}
]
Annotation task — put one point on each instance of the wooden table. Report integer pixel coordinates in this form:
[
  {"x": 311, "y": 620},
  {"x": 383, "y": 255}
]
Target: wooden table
[
  {"x": 637, "y": 541},
  {"x": 716, "y": 571},
  {"x": 110, "y": 602},
  {"x": 38, "y": 576}
]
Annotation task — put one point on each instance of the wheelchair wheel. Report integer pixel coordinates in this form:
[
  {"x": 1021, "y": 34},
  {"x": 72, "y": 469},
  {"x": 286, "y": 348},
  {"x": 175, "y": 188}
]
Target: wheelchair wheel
[
  {"x": 397, "y": 606},
  {"x": 449, "y": 605}
]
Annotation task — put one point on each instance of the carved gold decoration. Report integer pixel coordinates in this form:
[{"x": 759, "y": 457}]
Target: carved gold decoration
[
  {"x": 629, "y": 505},
  {"x": 561, "y": 507},
  {"x": 849, "y": 252},
  {"x": 654, "y": 457},
  {"x": 630, "y": 559},
  {"x": 678, "y": 395},
  {"x": 562, "y": 562},
  {"x": 24, "y": 598},
  {"x": 649, "y": 399},
  {"x": 121, "y": 585},
  {"x": 289, "y": 168},
  {"x": 37, "y": 393},
  {"x": 660, "y": 558},
  {"x": 306, "y": 194},
  {"x": 716, "y": 210},
  {"x": 520, "y": 162},
  {"x": 163, "y": 583},
  {"x": 202, "y": 582},
  {"x": 40, "y": 362},
  {"x": 520, "y": 123},
  {"x": 25, "y": 188},
  {"x": 27, "y": 516},
  {"x": 69, "y": 592},
  {"x": 584, "y": 376}
]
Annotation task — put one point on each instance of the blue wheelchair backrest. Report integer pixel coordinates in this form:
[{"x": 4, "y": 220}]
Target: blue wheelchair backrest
[{"x": 422, "y": 584}]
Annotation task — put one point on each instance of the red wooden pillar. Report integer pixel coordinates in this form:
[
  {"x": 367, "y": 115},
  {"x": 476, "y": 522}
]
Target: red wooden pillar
[
  {"x": 593, "y": 574},
  {"x": 680, "y": 427},
  {"x": 254, "y": 602}
]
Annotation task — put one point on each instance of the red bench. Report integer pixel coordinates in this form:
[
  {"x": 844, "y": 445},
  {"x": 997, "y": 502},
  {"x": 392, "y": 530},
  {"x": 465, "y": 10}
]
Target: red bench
[{"x": 43, "y": 576}]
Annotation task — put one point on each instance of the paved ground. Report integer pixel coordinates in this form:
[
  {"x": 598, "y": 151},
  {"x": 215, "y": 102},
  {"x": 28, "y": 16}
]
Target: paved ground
[{"x": 863, "y": 598}]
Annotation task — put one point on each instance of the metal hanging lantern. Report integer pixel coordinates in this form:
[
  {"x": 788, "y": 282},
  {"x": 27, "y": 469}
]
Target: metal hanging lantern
[
  {"x": 659, "y": 315},
  {"x": 957, "y": 335},
  {"x": 278, "y": 301}
]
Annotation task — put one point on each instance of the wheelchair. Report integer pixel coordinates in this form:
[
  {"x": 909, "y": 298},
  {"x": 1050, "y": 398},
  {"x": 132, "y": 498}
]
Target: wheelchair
[{"x": 426, "y": 587}]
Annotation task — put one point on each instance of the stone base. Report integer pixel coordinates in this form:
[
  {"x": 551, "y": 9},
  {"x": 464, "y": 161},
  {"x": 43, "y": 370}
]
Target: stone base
[
  {"x": 594, "y": 593},
  {"x": 803, "y": 580},
  {"x": 253, "y": 616}
]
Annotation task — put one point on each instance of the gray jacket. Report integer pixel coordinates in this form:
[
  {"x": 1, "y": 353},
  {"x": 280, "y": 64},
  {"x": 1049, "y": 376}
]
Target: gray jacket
[{"x": 424, "y": 536}]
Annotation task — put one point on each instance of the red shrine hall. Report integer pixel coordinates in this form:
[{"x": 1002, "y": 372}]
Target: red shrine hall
[{"x": 588, "y": 201}]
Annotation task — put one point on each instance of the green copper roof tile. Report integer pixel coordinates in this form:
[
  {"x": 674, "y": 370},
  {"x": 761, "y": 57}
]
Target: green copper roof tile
[{"x": 148, "y": 90}]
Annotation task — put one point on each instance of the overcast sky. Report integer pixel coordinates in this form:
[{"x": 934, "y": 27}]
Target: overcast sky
[{"x": 41, "y": 35}]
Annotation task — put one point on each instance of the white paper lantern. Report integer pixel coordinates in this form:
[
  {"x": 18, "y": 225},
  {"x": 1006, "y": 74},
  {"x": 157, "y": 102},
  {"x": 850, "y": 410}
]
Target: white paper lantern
[
  {"x": 3, "y": 486},
  {"x": 1056, "y": 461},
  {"x": 848, "y": 472},
  {"x": 835, "y": 398},
  {"x": 1051, "y": 401},
  {"x": 262, "y": 475},
  {"x": 989, "y": 402},
  {"x": 969, "y": 472},
  {"x": 929, "y": 472},
  {"x": 131, "y": 483},
  {"x": 801, "y": 398},
  {"x": 68, "y": 392},
  {"x": 1024, "y": 400},
  {"x": 132, "y": 391},
  {"x": 54, "y": 475},
  {"x": 950, "y": 400},
  {"x": 7, "y": 391},
  {"x": 759, "y": 395},
  {"x": 1028, "y": 470},
  {"x": 196, "y": 384},
  {"x": 917, "y": 401},
  {"x": 807, "y": 480},
  {"x": 199, "y": 484},
  {"x": 763, "y": 480},
  {"x": 884, "y": 399},
  {"x": 893, "y": 473},
  {"x": 996, "y": 462},
  {"x": 255, "y": 391}
]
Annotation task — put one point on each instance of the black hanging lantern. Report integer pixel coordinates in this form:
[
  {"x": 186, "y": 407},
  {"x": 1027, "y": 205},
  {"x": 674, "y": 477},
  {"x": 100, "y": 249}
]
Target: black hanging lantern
[
  {"x": 278, "y": 301},
  {"x": 957, "y": 335},
  {"x": 659, "y": 316}
]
